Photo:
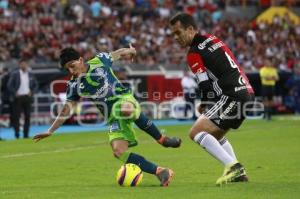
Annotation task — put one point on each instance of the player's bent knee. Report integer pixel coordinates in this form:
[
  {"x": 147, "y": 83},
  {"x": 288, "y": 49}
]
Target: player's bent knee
[
  {"x": 191, "y": 136},
  {"x": 118, "y": 152},
  {"x": 192, "y": 133},
  {"x": 127, "y": 109}
]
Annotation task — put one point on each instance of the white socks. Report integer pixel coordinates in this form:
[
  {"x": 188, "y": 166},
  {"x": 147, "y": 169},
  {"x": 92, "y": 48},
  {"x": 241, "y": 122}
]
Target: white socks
[
  {"x": 227, "y": 147},
  {"x": 211, "y": 144}
]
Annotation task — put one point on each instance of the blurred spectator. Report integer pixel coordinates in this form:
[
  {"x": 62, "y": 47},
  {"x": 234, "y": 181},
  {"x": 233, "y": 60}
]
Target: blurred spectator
[
  {"x": 269, "y": 76},
  {"x": 39, "y": 30},
  {"x": 22, "y": 84},
  {"x": 293, "y": 84},
  {"x": 95, "y": 8},
  {"x": 121, "y": 73},
  {"x": 78, "y": 12},
  {"x": 103, "y": 45},
  {"x": 189, "y": 87},
  {"x": 3, "y": 4},
  {"x": 5, "y": 95}
]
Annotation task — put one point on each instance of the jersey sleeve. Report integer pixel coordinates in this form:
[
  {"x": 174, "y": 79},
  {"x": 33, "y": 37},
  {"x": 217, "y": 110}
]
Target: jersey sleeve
[
  {"x": 105, "y": 58},
  {"x": 197, "y": 66},
  {"x": 72, "y": 93}
]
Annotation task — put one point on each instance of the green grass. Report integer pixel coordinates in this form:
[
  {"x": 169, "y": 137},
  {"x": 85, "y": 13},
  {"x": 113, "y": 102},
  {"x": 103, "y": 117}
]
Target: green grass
[{"x": 82, "y": 166}]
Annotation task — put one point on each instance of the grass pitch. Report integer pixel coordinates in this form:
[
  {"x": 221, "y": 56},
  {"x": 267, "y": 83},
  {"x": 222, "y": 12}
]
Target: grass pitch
[{"x": 82, "y": 166}]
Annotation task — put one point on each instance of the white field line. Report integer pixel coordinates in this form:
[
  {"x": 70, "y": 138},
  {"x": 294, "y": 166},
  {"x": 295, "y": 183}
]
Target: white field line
[
  {"x": 16, "y": 155},
  {"x": 62, "y": 150}
]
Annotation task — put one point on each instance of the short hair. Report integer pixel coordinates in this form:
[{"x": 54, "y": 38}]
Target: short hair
[
  {"x": 23, "y": 59},
  {"x": 185, "y": 19},
  {"x": 68, "y": 54}
]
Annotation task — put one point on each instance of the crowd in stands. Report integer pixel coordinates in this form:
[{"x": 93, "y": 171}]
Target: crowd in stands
[{"x": 38, "y": 29}]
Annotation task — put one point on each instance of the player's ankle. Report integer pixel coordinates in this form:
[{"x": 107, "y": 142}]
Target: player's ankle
[
  {"x": 158, "y": 170},
  {"x": 161, "y": 139},
  {"x": 231, "y": 164}
]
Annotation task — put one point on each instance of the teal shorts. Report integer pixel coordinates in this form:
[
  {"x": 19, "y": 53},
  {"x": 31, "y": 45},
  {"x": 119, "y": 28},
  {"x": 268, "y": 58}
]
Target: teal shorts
[{"x": 121, "y": 128}]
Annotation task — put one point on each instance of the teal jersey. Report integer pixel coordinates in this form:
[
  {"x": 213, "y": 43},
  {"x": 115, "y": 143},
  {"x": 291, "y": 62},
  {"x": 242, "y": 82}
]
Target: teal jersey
[{"x": 99, "y": 84}]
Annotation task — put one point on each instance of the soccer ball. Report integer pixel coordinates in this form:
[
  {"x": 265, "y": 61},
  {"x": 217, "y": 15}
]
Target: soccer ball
[{"x": 129, "y": 175}]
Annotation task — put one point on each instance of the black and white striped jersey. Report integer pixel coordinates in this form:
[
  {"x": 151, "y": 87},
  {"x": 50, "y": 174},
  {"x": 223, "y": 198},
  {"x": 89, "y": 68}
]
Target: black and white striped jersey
[{"x": 216, "y": 69}]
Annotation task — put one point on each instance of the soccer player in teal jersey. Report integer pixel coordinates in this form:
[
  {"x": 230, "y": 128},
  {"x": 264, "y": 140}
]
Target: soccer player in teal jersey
[{"x": 96, "y": 81}]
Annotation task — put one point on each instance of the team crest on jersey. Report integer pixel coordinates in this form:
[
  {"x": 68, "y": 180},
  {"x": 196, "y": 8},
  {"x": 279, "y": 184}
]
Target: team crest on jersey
[
  {"x": 81, "y": 86},
  {"x": 243, "y": 84},
  {"x": 242, "y": 81},
  {"x": 115, "y": 126}
]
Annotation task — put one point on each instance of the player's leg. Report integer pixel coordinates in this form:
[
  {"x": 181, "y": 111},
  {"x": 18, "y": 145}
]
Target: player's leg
[
  {"x": 192, "y": 98},
  {"x": 123, "y": 137},
  {"x": 268, "y": 93},
  {"x": 130, "y": 109},
  {"x": 187, "y": 105},
  {"x": 271, "y": 101},
  {"x": 224, "y": 142},
  {"x": 27, "y": 112},
  {"x": 268, "y": 109},
  {"x": 120, "y": 151},
  {"x": 145, "y": 124},
  {"x": 16, "y": 113},
  {"x": 205, "y": 133},
  {"x": 212, "y": 126}
]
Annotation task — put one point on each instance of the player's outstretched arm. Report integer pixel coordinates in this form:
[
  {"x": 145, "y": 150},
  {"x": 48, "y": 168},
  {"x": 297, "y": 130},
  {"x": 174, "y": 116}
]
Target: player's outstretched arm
[
  {"x": 123, "y": 52},
  {"x": 60, "y": 119}
]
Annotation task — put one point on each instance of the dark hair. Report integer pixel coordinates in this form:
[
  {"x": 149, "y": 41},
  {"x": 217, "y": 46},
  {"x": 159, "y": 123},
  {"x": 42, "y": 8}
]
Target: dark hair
[
  {"x": 23, "y": 59},
  {"x": 68, "y": 54},
  {"x": 185, "y": 19}
]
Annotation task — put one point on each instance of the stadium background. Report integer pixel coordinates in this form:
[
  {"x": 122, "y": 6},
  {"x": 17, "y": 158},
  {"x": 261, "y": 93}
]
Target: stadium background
[
  {"x": 80, "y": 164},
  {"x": 39, "y": 29}
]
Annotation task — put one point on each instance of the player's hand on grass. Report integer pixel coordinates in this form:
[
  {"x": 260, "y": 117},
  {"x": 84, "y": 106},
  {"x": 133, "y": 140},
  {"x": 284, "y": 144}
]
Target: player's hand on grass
[{"x": 41, "y": 136}]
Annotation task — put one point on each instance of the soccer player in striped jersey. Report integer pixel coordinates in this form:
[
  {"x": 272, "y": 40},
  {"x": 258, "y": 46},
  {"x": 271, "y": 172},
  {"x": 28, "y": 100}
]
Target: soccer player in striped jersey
[
  {"x": 226, "y": 92},
  {"x": 96, "y": 81}
]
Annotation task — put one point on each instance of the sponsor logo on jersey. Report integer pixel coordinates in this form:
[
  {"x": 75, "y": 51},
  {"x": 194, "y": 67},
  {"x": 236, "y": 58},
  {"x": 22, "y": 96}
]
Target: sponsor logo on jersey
[
  {"x": 114, "y": 127},
  {"x": 227, "y": 110},
  {"x": 202, "y": 45},
  {"x": 236, "y": 89},
  {"x": 103, "y": 90},
  {"x": 216, "y": 46},
  {"x": 101, "y": 76}
]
